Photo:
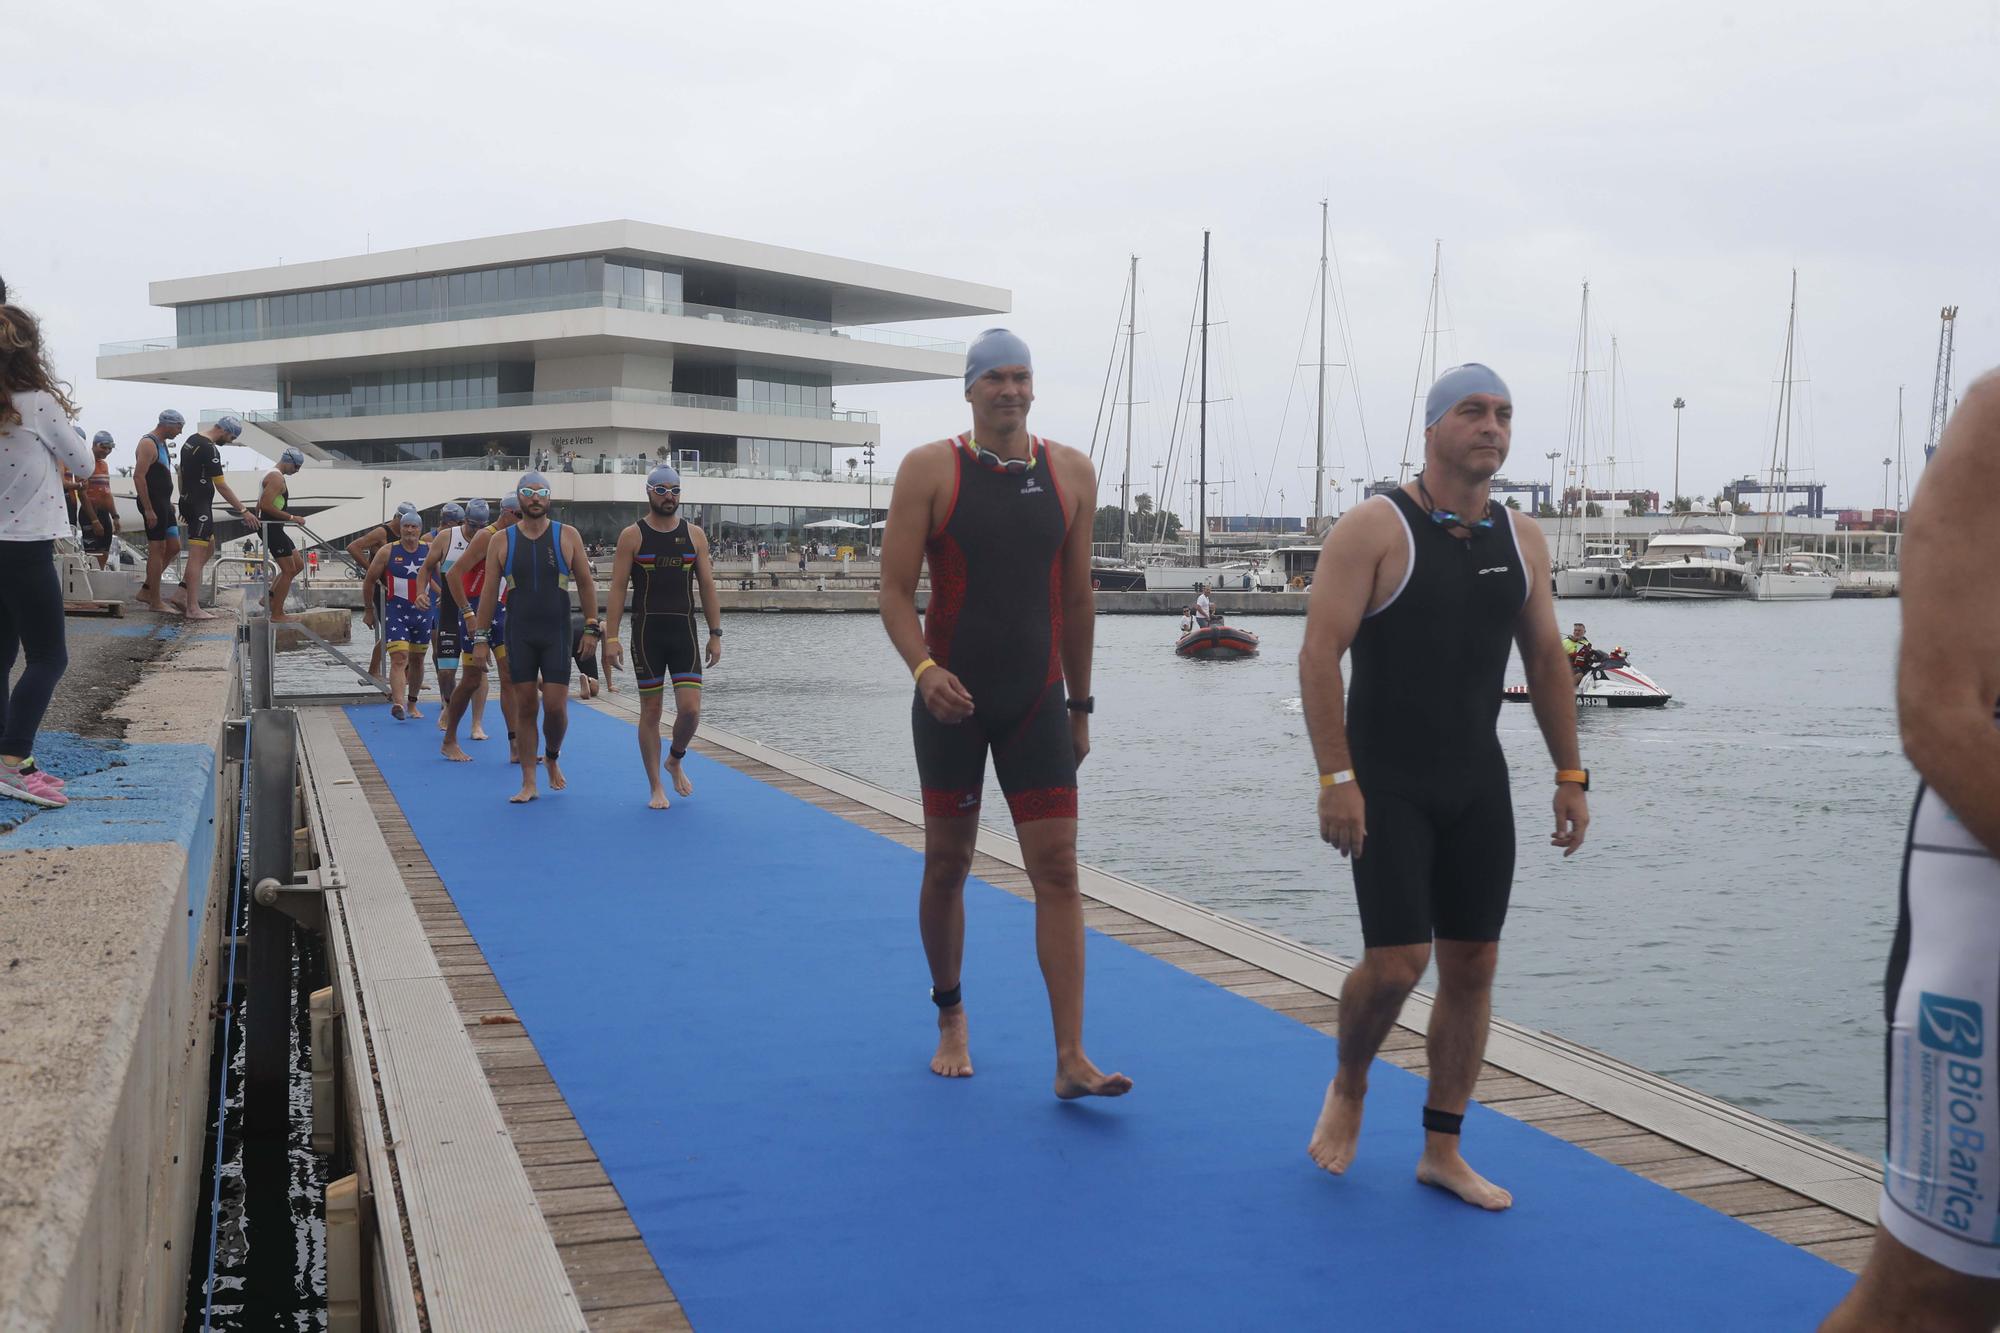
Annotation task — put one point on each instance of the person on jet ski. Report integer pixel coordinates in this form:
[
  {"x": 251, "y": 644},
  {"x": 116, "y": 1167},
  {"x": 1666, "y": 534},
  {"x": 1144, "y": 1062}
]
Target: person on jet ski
[{"x": 1581, "y": 655}]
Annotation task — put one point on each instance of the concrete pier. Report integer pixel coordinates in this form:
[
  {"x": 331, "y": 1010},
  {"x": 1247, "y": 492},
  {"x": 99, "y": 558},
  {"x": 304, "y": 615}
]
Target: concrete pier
[{"x": 108, "y": 971}]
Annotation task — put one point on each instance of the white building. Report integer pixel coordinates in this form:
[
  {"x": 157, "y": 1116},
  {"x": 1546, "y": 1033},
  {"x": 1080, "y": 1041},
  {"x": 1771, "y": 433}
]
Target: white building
[{"x": 442, "y": 372}]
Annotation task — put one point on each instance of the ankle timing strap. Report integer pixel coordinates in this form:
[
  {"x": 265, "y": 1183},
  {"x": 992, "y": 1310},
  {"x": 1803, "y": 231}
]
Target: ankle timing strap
[
  {"x": 677, "y": 754},
  {"x": 945, "y": 999},
  {"x": 551, "y": 754},
  {"x": 1442, "y": 1122}
]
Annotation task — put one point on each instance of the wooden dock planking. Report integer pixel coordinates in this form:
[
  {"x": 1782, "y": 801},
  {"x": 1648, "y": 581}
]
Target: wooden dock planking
[{"x": 616, "y": 1281}]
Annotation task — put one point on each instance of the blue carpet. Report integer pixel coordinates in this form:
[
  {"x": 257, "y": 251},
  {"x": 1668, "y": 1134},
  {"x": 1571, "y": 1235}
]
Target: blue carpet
[{"x": 731, "y": 995}]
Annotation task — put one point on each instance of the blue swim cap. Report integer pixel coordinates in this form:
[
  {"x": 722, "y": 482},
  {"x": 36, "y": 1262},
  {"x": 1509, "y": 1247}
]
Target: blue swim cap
[
  {"x": 993, "y": 349},
  {"x": 404, "y": 508},
  {"x": 528, "y": 479},
  {"x": 477, "y": 511},
  {"x": 406, "y": 517},
  {"x": 510, "y": 503},
  {"x": 451, "y": 513},
  {"x": 1456, "y": 385},
  {"x": 229, "y": 425},
  {"x": 294, "y": 457},
  {"x": 172, "y": 418},
  {"x": 663, "y": 476},
  {"x": 102, "y": 437}
]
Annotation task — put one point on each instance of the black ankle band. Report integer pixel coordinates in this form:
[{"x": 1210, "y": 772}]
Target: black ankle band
[
  {"x": 945, "y": 999},
  {"x": 551, "y": 754},
  {"x": 1442, "y": 1122},
  {"x": 676, "y": 754},
  {"x": 510, "y": 735}
]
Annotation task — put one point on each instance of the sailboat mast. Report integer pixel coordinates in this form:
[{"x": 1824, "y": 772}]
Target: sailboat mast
[
  {"x": 1583, "y": 438},
  {"x": 1437, "y": 310},
  {"x": 1201, "y": 533},
  {"x": 1611, "y": 457},
  {"x": 1319, "y": 421},
  {"x": 1131, "y": 338},
  {"x": 1781, "y": 438}
]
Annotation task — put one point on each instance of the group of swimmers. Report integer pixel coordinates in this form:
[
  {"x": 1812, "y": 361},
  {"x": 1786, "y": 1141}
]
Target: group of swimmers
[{"x": 480, "y": 589}]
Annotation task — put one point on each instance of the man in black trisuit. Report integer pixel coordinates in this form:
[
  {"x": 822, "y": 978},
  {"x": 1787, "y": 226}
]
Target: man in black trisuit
[
  {"x": 662, "y": 556},
  {"x": 201, "y": 478},
  {"x": 537, "y": 558},
  {"x": 271, "y": 507},
  {"x": 1429, "y": 585},
  {"x": 153, "y": 482},
  {"x": 1002, "y": 663}
]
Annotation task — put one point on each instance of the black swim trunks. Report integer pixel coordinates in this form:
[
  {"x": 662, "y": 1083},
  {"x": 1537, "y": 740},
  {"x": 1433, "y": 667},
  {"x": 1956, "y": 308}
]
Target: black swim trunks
[
  {"x": 1428, "y": 668},
  {"x": 278, "y": 541},
  {"x": 995, "y": 621}
]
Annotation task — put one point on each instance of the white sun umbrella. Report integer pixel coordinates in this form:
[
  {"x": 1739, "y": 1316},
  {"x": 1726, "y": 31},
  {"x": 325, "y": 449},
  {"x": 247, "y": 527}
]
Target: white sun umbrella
[{"x": 833, "y": 523}]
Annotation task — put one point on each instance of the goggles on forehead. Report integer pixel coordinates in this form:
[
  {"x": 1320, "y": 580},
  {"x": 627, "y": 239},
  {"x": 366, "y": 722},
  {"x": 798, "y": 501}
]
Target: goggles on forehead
[
  {"x": 535, "y": 492},
  {"x": 664, "y": 490},
  {"x": 1015, "y": 466}
]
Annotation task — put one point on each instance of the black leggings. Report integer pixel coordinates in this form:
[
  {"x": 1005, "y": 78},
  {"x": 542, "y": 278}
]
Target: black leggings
[{"x": 31, "y": 620}]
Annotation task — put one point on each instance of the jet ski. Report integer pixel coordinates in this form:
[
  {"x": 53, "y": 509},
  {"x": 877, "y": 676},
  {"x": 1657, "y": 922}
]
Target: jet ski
[
  {"x": 1213, "y": 641},
  {"x": 1609, "y": 681}
]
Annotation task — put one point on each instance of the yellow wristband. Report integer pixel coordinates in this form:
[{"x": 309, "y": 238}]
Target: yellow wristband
[
  {"x": 922, "y": 667},
  {"x": 1345, "y": 775},
  {"x": 1576, "y": 775}
]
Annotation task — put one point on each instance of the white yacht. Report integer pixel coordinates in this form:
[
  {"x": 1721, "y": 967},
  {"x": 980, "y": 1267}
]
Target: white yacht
[
  {"x": 1288, "y": 568},
  {"x": 1601, "y": 573},
  {"x": 1691, "y": 565},
  {"x": 1795, "y": 576}
]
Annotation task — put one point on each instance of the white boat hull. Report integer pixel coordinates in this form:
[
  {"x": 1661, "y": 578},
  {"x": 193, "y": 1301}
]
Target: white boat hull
[
  {"x": 1772, "y": 585},
  {"x": 1591, "y": 581},
  {"x": 1608, "y": 687}
]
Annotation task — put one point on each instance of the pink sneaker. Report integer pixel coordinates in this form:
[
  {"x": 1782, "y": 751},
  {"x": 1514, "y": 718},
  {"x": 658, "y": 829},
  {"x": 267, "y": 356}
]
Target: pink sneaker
[
  {"x": 29, "y": 765},
  {"x": 33, "y": 787}
]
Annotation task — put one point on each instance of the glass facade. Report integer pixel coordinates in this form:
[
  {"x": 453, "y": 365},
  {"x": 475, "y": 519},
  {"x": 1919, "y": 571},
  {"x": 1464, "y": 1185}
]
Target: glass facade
[
  {"x": 418, "y": 388},
  {"x": 780, "y": 525},
  {"x": 723, "y": 454},
  {"x": 641, "y": 282},
  {"x": 499, "y": 452},
  {"x": 438, "y": 296}
]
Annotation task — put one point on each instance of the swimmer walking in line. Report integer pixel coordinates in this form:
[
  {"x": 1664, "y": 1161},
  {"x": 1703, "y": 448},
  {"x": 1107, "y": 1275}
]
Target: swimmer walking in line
[
  {"x": 663, "y": 556},
  {"x": 536, "y": 559},
  {"x": 1001, "y": 663},
  {"x": 1429, "y": 586}
]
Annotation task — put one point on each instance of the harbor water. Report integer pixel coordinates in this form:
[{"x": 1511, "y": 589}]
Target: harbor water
[{"x": 1725, "y": 925}]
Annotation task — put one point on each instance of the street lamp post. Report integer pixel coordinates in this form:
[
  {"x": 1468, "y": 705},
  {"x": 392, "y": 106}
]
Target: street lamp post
[
  {"x": 1554, "y": 508},
  {"x": 385, "y": 499},
  {"x": 1887, "y": 463},
  {"x": 1679, "y": 403}
]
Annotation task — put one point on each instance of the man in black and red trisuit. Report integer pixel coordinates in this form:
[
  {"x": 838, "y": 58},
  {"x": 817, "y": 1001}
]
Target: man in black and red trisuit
[{"x": 1002, "y": 664}]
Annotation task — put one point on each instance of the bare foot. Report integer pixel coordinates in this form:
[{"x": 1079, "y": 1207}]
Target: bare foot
[
  {"x": 954, "y": 1053},
  {"x": 1081, "y": 1078},
  {"x": 1338, "y": 1132},
  {"x": 200, "y": 613},
  {"x": 479, "y": 733},
  {"x": 454, "y": 752},
  {"x": 659, "y": 801},
  {"x": 682, "y": 787},
  {"x": 1446, "y": 1170},
  {"x": 556, "y": 780},
  {"x": 443, "y": 717},
  {"x": 523, "y": 796},
  {"x": 280, "y": 618},
  {"x": 417, "y": 715},
  {"x": 396, "y": 711}
]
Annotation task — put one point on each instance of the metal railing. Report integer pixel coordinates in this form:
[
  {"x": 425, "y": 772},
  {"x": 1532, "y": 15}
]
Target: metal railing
[{"x": 534, "y": 305}]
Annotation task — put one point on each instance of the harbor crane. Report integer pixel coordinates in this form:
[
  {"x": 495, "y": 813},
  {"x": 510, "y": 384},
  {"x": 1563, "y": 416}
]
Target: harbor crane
[{"x": 1941, "y": 391}]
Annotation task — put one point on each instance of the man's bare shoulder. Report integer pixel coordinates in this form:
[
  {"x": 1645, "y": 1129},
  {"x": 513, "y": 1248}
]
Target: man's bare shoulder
[
  {"x": 1367, "y": 524},
  {"x": 1533, "y": 541},
  {"x": 927, "y": 463},
  {"x": 1071, "y": 462}
]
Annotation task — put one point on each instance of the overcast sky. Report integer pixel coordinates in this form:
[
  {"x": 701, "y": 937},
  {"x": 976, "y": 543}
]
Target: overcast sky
[{"x": 1683, "y": 158}]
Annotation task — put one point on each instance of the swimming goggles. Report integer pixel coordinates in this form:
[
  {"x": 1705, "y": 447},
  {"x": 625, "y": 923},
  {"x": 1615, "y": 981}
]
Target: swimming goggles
[
  {"x": 535, "y": 492},
  {"x": 1015, "y": 466},
  {"x": 1445, "y": 518},
  {"x": 664, "y": 490}
]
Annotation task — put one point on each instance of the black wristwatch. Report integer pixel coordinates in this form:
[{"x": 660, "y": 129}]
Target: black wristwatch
[
  {"x": 1087, "y": 704},
  {"x": 715, "y": 634}
]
